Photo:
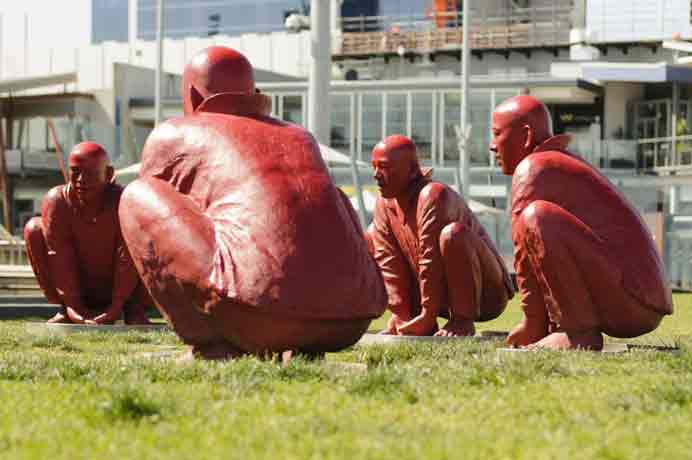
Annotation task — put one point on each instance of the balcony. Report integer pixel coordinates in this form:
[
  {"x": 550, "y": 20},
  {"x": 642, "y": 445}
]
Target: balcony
[{"x": 516, "y": 29}]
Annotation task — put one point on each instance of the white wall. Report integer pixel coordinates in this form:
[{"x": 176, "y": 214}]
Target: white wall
[
  {"x": 617, "y": 95},
  {"x": 30, "y": 28},
  {"x": 281, "y": 52},
  {"x": 635, "y": 20}
]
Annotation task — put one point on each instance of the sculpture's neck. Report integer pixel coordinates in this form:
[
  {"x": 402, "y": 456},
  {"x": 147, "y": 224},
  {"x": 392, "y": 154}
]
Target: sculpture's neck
[
  {"x": 237, "y": 104},
  {"x": 410, "y": 194},
  {"x": 559, "y": 142},
  {"x": 88, "y": 207}
]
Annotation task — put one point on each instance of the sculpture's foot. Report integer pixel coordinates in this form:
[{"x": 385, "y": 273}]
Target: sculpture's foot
[
  {"x": 525, "y": 334},
  {"x": 592, "y": 340},
  {"x": 59, "y": 318},
  {"x": 213, "y": 352},
  {"x": 392, "y": 326},
  {"x": 138, "y": 318},
  {"x": 457, "y": 328}
]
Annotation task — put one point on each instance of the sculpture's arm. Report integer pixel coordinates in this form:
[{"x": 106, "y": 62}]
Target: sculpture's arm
[
  {"x": 125, "y": 279},
  {"x": 430, "y": 267},
  {"x": 395, "y": 271},
  {"x": 62, "y": 256}
]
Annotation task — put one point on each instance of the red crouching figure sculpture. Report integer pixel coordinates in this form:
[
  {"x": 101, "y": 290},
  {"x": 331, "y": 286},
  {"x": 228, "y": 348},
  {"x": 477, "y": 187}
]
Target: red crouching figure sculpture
[
  {"x": 76, "y": 249},
  {"x": 237, "y": 230},
  {"x": 585, "y": 262},
  {"x": 435, "y": 256}
]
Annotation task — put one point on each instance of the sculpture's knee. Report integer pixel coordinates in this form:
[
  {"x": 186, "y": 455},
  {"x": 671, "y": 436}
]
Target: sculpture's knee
[
  {"x": 538, "y": 217},
  {"x": 164, "y": 227},
  {"x": 453, "y": 236},
  {"x": 33, "y": 229}
]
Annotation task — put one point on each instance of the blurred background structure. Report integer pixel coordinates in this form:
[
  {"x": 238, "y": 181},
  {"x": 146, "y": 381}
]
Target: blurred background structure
[{"x": 615, "y": 74}]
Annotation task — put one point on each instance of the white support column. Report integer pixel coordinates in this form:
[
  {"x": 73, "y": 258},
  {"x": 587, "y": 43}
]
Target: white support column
[
  {"x": 464, "y": 154},
  {"x": 158, "y": 112},
  {"x": 354, "y": 165},
  {"x": 132, "y": 27},
  {"x": 320, "y": 70}
]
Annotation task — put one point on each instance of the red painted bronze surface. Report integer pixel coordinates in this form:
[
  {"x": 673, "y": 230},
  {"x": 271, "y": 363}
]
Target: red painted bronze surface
[
  {"x": 586, "y": 263},
  {"x": 435, "y": 257},
  {"x": 76, "y": 249},
  {"x": 237, "y": 230}
]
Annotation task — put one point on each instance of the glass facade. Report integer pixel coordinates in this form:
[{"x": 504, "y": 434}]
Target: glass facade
[
  {"x": 429, "y": 117},
  {"x": 189, "y": 18}
]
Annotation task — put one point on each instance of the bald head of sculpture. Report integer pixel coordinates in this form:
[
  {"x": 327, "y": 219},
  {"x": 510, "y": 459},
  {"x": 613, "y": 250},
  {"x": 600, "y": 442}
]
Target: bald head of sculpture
[
  {"x": 519, "y": 125},
  {"x": 395, "y": 165},
  {"x": 216, "y": 70},
  {"x": 90, "y": 172}
]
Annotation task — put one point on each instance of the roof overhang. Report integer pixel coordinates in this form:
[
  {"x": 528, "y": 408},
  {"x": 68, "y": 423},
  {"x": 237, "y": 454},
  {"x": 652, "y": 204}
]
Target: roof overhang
[
  {"x": 22, "y": 84},
  {"x": 637, "y": 72}
]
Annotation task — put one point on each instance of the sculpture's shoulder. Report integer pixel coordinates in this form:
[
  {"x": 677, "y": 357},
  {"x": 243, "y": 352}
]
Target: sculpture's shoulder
[
  {"x": 56, "y": 199},
  {"x": 550, "y": 166},
  {"x": 436, "y": 194},
  {"x": 167, "y": 132}
]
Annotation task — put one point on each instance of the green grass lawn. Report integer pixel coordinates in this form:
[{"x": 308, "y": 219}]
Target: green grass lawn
[{"x": 100, "y": 396}]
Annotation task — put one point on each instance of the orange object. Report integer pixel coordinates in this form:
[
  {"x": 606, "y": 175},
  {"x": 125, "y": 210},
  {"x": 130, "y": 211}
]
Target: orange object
[{"x": 442, "y": 10}]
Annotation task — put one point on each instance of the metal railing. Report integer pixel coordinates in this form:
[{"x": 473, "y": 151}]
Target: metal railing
[
  {"x": 13, "y": 252},
  {"x": 665, "y": 154},
  {"x": 502, "y": 29}
]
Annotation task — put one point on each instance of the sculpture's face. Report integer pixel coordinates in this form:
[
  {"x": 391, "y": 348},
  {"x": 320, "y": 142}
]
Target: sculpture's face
[
  {"x": 89, "y": 171},
  {"x": 393, "y": 167},
  {"x": 519, "y": 125},
  {"x": 509, "y": 141}
]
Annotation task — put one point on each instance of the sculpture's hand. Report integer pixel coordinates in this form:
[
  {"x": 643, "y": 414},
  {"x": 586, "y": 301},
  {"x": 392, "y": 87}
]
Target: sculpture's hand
[
  {"x": 77, "y": 316},
  {"x": 109, "y": 317},
  {"x": 422, "y": 324},
  {"x": 392, "y": 326}
]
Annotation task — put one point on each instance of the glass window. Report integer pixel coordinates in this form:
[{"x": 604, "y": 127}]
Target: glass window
[
  {"x": 451, "y": 117},
  {"x": 396, "y": 114},
  {"x": 422, "y": 123},
  {"x": 293, "y": 109},
  {"x": 340, "y": 125},
  {"x": 479, "y": 117},
  {"x": 371, "y": 123}
]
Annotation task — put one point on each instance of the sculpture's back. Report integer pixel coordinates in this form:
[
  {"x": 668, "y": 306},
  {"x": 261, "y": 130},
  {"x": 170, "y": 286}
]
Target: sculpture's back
[
  {"x": 286, "y": 240},
  {"x": 236, "y": 215},
  {"x": 577, "y": 187}
]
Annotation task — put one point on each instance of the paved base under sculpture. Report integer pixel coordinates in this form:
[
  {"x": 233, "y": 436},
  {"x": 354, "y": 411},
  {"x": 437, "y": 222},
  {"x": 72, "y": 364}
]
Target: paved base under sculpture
[
  {"x": 381, "y": 339},
  {"x": 608, "y": 348},
  {"x": 68, "y": 329}
]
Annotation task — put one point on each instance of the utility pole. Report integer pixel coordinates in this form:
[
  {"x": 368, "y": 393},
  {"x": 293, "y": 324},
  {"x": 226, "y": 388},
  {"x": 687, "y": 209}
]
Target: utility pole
[
  {"x": 320, "y": 70},
  {"x": 132, "y": 13},
  {"x": 158, "y": 113},
  {"x": 464, "y": 154}
]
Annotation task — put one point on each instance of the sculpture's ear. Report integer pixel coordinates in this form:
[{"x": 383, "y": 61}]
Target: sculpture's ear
[
  {"x": 110, "y": 174},
  {"x": 195, "y": 98},
  {"x": 529, "y": 137}
]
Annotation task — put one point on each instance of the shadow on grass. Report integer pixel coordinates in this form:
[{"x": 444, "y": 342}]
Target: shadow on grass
[{"x": 129, "y": 404}]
